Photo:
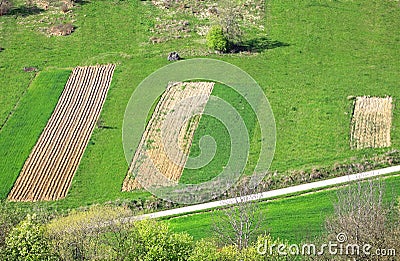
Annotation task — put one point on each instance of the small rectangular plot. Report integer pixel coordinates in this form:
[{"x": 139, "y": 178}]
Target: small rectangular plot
[
  {"x": 166, "y": 155},
  {"x": 371, "y": 122}
]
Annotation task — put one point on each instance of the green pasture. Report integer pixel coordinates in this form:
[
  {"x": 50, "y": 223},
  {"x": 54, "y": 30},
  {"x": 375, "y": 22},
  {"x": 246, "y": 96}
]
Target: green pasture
[{"x": 312, "y": 56}]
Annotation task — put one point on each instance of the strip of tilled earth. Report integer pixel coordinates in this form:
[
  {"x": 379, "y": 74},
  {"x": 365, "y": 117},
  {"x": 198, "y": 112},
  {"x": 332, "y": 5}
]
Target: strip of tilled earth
[
  {"x": 48, "y": 172},
  {"x": 164, "y": 148}
]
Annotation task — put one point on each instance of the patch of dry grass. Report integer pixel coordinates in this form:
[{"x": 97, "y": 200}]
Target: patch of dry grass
[
  {"x": 371, "y": 122},
  {"x": 203, "y": 12}
]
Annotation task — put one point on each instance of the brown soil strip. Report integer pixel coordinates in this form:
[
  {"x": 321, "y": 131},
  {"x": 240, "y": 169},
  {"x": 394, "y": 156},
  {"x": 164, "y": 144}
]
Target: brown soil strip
[
  {"x": 181, "y": 100},
  {"x": 47, "y": 173}
]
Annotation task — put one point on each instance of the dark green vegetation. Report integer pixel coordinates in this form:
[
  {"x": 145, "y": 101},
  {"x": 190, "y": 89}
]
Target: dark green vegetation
[
  {"x": 34, "y": 238},
  {"x": 216, "y": 39},
  {"x": 295, "y": 218},
  {"x": 315, "y": 54}
]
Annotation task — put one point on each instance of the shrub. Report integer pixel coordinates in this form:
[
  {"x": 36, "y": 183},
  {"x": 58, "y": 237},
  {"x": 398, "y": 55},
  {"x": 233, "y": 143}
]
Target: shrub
[
  {"x": 179, "y": 247},
  {"x": 100, "y": 234},
  {"x": 27, "y": 241},
  {"x": 229, "y": 253},
  {"x": 154, "y": 241},
  {"x": 204, "y": 250},
  {"x": 207, "y": 250},
  {"x": 216, "y": 39},
  {"x": 10, "y": 216},
  {"x": 264, "y": 244},
  {"x": 80, "y": 235}
]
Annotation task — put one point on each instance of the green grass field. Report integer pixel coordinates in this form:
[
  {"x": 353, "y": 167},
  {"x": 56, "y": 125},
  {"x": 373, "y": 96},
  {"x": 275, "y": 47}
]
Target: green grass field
[
  {"x": 211, "y": 126},
  {"x": 295, "y": 218},
  {"x": 324, "y": 51},
  {"x": 21, "y": 132}
]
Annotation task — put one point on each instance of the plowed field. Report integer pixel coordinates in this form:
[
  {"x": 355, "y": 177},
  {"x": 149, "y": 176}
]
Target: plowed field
[
  {"x": 160, "y": 149},
  {"x": 47, "y": 173}
]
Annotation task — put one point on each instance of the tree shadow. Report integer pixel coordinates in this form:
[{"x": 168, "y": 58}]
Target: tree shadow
[
  {"x": 25, "y": 11},
  {"x": 81, "y": 2},
  {"x": 258, "y": 45},
  {"x": 107, "y": 127}
]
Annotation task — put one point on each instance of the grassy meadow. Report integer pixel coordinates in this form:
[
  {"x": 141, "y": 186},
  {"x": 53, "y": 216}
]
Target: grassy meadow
[
  {"x": 312, "y": 55},
  {"x": 211, "y": 126}
]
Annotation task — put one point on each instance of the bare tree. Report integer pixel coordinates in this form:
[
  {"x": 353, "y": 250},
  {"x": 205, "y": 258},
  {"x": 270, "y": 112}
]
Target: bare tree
[
  {"x": 239, "y": 223},
  {"x": 362, "y": 217},
  {"x": 229, "y": 17},
  {"x": 95, "y": 234}
]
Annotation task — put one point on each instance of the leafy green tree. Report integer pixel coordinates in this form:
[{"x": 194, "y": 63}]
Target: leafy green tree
[
  {"x": 105, "y": 233},
  {"x": 179, "y": 246},
  {"x": 82, "y": 235},
  {"x": 154, "y": 241},
  {"x": 26, "y": 241},
  {"x": 9, "y": 217},
  {"x": 204, "y": 250},
  {"x": 216, "y": 39}
]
